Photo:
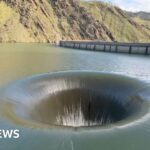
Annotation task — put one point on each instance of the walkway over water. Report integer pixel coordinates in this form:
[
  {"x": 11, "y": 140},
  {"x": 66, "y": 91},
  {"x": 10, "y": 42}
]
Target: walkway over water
[{"x": 118, "y": 47}]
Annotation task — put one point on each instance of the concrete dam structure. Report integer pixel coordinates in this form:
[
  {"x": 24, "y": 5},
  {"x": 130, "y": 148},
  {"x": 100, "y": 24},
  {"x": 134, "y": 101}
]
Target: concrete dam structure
[{"x": 116, "y": 47}]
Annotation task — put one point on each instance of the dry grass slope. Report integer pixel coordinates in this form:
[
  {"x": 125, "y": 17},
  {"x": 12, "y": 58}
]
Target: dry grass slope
[
  {"x": 11, "y": 29},
  {"x": 51, "y": 21},
  {"x": 120, "y": 24}
]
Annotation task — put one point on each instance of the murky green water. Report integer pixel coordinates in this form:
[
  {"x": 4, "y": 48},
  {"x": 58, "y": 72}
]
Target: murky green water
[{"x": 18, "y": 61}]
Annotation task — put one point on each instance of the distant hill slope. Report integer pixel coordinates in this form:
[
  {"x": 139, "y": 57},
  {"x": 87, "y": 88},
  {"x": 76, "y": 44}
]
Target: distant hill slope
[
  {"x": 140, "y": 14},
  {"x": 53, "y": 20},
  {"x": 143, "y": 18}
]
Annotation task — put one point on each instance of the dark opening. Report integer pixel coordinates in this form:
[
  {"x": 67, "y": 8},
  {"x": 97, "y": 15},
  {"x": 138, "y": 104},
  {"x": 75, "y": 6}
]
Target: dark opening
[{"x": 83, "y": 107}]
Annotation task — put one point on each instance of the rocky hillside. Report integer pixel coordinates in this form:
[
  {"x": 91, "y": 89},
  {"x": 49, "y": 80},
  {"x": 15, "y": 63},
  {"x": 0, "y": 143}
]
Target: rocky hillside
[
  {"x": 143, "y": 18},
  {"x": 53, "y": 20},
  {"x": 123, "y": 27}
]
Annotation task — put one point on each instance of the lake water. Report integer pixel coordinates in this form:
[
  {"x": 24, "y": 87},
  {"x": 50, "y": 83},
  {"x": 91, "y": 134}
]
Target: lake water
[{"x": 18, "y": 61}]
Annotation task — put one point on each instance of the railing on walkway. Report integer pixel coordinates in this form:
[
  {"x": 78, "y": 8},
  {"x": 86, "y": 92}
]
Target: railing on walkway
[{"x": 118, "y": 47}]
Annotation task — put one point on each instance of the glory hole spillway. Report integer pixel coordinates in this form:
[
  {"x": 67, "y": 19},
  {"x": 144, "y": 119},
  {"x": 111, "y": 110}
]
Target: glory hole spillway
[{"x": 101, "y": 102}]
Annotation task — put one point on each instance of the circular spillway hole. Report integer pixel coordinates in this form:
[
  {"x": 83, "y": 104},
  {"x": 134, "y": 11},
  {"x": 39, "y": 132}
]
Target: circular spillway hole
[
  {"x": 77, "y": 99},
  {"x": 84, "y": 99}
]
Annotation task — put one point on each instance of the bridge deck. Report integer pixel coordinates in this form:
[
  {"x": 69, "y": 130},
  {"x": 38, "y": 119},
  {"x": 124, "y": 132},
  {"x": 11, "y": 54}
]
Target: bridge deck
[{"x": 118, "y": 47}]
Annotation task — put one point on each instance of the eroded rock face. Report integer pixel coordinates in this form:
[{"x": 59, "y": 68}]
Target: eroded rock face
[
  {"x": 86, "y": 25},
  {"x": 53, "y": 20},
  {"x": 38, "y": 19}
]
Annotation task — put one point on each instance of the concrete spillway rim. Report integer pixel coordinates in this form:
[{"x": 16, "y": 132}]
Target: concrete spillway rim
[{"x": 55, "y": 126}]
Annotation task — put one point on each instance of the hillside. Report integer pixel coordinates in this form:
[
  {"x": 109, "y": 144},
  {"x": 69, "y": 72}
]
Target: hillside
[
  {"x": 140, "y": 14},
  {"x": 143, "y": 18},
  {"x": 53, "y": 20},
  {"x": 123, "y": 27}
]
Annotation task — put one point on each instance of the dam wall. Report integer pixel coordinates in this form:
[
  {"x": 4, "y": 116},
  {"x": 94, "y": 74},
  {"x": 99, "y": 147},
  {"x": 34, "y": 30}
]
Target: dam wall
[{"x": 116, "y": 47}]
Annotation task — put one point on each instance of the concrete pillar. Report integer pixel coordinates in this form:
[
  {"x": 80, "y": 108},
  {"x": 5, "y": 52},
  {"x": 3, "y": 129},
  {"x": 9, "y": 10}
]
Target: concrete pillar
[
  {"x": 146, "y": 50},
  {"x": 104, "y": 47},
  {"x": 130, "y": 49}
]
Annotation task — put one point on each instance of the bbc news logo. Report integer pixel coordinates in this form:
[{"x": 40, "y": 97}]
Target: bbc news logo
[{"x": 9, "y": 134}]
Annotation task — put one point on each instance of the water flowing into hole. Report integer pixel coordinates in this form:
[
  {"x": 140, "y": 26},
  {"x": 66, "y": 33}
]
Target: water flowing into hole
[
  {"x": 83, "y": 107},
  {"x": 77, "y": 99}
]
